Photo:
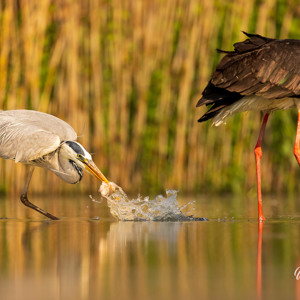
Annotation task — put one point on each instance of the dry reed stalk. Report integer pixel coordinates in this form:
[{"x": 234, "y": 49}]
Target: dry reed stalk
[{"x": 189, "y": 36}]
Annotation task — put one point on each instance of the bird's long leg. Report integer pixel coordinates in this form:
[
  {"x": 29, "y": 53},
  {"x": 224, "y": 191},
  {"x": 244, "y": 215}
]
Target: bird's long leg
[
  {"x": 297, "y": 140},
  {"x": 26, "y": 202},
  {"x": 258, "y": 156},
  {"x": 258, "y": 261}
]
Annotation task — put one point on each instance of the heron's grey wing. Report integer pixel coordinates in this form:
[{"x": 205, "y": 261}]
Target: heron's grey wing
[
  {"x": 43, "y": 121},
  {"x": 27, "y": 135},
  {"x": 25, "y": 143},
  {"x": 264, "y": 67}
]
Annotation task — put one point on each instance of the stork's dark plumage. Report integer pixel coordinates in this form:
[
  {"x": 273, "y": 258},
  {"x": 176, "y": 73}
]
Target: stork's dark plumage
[{"x": 260, "y": 74}]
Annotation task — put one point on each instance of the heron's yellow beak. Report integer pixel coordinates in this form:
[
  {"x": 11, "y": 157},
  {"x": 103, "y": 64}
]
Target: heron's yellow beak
[{"x": 92, "y": 168}]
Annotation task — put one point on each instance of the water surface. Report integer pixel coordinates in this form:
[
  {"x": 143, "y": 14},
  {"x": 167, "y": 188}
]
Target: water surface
[{"x": 90, "y": 255}]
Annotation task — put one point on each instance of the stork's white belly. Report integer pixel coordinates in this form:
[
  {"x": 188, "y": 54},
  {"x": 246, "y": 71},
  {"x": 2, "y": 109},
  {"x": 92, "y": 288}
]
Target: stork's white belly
[{"x": 254, "y": 103}]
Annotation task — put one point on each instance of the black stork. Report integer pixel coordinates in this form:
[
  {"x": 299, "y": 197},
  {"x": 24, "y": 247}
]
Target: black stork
[{"x": 260, "y": 74}]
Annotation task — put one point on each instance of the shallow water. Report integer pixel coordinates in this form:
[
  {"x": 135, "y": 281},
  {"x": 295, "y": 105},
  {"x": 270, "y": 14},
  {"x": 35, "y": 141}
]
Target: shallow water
[{"x": 90, "y": 255}]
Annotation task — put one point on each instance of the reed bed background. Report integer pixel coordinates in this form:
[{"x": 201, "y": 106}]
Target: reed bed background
[{"x": 127, "y": 76}]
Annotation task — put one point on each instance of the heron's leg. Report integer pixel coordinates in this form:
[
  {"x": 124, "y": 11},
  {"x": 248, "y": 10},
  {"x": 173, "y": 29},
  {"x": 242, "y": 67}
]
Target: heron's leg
[
  {"x": 26, "y": 202},
  {"x": 297, "y": 141},
  {"x": 258, "y": 156}
]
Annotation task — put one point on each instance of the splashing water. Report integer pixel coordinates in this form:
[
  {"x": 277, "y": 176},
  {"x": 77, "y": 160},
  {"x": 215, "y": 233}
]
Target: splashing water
[{"x": 142, "y": 208}]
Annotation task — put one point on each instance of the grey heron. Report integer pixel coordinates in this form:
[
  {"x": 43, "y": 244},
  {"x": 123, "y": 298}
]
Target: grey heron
[
  {"x": 42, "y": 140},
  {"x": 260, "y": 74}
]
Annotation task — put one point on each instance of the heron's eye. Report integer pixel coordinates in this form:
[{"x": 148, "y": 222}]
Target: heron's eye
[{"x": 80, "y": 156}]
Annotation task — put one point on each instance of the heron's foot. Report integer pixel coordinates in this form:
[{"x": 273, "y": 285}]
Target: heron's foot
[{"x": 27, "y": 203}]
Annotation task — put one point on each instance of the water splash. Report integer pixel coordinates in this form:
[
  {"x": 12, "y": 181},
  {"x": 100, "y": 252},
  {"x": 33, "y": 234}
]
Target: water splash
[{"x": 144, "y": 209}]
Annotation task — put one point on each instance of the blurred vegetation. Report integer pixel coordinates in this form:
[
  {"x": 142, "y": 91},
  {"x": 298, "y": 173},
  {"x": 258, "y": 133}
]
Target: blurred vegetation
[{"x": 127, "y": 76}]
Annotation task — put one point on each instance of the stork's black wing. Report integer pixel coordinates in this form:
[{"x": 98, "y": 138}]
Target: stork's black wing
[{"x": 258, "y": 66}]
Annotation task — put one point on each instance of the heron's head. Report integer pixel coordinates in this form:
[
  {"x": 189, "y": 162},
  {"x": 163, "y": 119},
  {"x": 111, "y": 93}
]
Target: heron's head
[{"x": 81, "y": 159}]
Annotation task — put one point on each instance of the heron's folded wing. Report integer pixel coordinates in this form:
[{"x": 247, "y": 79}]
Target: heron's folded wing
[
  {"x": 49, "y": 123},
  {"x": 24, "y": 143}
]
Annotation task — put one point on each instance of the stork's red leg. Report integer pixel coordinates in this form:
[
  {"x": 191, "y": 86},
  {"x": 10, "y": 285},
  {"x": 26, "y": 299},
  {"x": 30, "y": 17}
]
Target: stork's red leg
[
  {"x": 297, "y": 140},
  {"x": 258, "y": 155},
  {"x": 258, "y": 261}
]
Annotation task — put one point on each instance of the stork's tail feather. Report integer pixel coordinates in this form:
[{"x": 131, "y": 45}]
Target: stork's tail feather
[{"x": 218, "y": 97}]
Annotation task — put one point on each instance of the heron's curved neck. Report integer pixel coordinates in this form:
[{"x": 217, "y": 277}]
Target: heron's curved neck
[
  {"x": 69, "y": 171},
  {"x": 63, "y": 167}
]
